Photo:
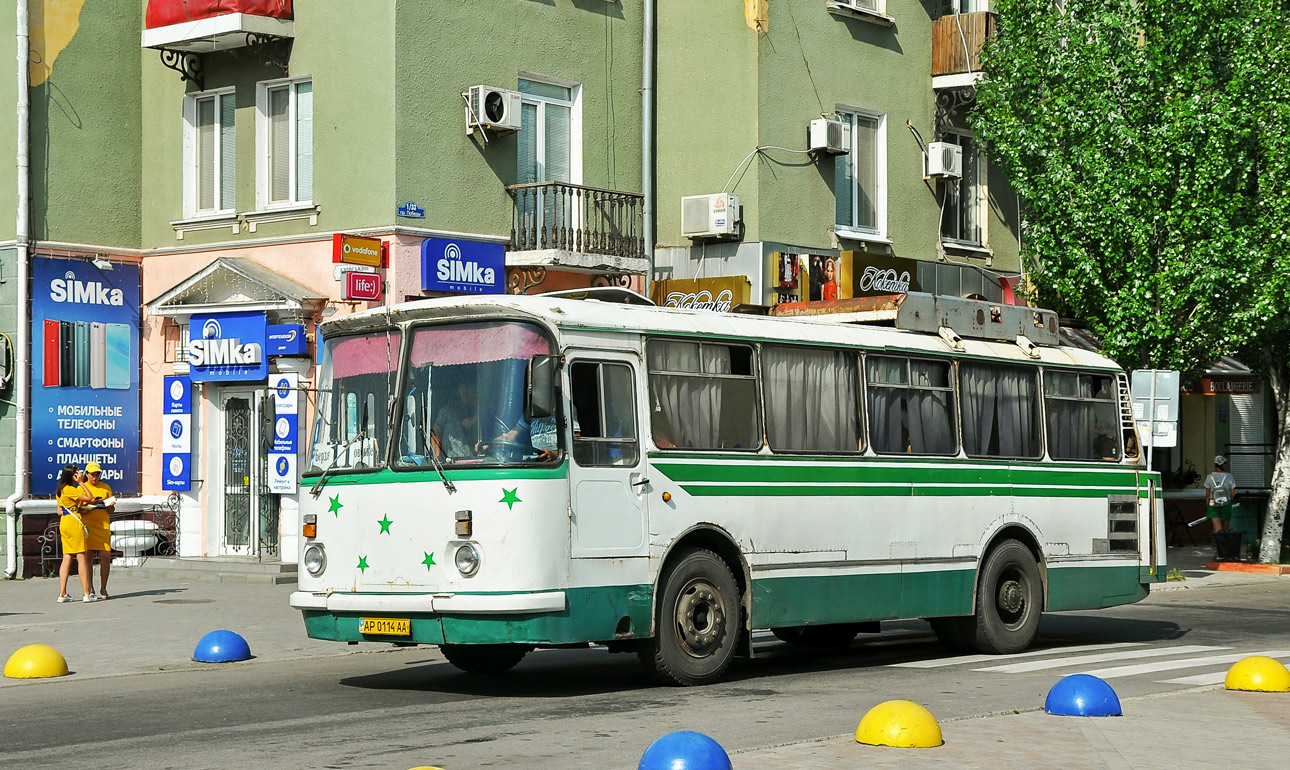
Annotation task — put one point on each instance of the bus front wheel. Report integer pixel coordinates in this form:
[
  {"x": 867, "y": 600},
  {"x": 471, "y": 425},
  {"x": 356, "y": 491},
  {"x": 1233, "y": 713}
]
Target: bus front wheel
[
  {"x": 697, "y": 622},
  {"x": 484, "y": 658},
  {"x": 1009, "y": 600}
]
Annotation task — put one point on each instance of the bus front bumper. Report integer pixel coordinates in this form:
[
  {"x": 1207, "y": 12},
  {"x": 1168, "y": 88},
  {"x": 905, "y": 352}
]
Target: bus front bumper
[{"x": 438, "y": 604}]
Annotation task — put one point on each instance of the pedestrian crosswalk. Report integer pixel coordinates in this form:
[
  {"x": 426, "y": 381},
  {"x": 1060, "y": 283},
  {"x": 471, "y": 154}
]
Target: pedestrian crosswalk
[{"x": 1137, "y": 660}]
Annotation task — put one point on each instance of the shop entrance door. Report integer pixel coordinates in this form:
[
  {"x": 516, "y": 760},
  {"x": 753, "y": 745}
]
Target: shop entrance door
[{"x": 248, "y": 511}]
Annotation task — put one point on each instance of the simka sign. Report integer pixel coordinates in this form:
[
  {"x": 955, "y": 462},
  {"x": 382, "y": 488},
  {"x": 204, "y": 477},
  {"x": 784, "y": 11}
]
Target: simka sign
[{"x": 364, "y": 286}]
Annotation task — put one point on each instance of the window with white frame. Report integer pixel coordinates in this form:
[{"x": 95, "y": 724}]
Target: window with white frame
[
  {"x": 210, "y": 153},
  {"x": 284, "y": 143},
  {"x": 963, "y": 206},
  {"x": 860, "y": 177},
  {"x": 549, "y": 133}
]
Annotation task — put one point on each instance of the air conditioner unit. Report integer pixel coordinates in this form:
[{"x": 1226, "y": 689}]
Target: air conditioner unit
[
  {"x": 830, "y": 137},
  {"x": 496, "y": 109},
  {"x": 944, "y": 160},
  {"x": 710, "y": 216}
]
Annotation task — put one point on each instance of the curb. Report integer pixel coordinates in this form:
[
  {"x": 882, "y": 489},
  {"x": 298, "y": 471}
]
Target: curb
[{"x": 1253, "y": 569}]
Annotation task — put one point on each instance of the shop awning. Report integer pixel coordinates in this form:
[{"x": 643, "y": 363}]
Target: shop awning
[
  {"x": 1085, "y": 340},
  {"x": 234, "y": 283},
  {"x": 203, "y": 26}
]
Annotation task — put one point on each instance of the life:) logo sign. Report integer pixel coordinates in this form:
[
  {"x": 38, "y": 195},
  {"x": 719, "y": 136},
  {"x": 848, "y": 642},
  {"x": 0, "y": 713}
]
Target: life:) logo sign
[
  {"x": 69, "y": 289},
  {"x": 362, "y": 286},
  {"x": 462, "y": 266}
]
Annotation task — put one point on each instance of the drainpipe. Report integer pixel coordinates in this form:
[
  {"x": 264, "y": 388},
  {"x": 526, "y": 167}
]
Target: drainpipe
[
  {"x": 21, "y": 355},
  {"x": 647, "y": 140}
]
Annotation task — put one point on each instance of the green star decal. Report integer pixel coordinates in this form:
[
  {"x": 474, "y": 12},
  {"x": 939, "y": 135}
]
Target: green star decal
[
  {"x": 362, "y": 564},
  {"x": 336, "y": 505},
  {"x": 385, "y": 525},
  {"x": 510, "y": 497},
  {"x": 428, "y": 560}
]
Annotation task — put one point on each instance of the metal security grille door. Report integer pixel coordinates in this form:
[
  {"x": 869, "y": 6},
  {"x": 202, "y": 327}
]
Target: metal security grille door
[
  {"x": 237, "y": 476},
  {"x": 1246, "y": 450},
  {"x": 247, "y": 497}
]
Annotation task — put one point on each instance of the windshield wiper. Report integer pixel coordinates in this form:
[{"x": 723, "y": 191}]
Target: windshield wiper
[
  {"x": 322, "y": 480},
  {"x": 447, "y": 482}
]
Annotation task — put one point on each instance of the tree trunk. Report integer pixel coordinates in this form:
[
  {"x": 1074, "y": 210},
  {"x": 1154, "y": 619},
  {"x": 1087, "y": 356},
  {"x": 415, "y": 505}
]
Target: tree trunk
[{"x": 1274, "y": 522}]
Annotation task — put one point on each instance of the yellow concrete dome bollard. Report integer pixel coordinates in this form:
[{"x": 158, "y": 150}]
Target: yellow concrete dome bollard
[
  {"x": 1258, "y": 674},
  {"x": 899, "y": 723},
  {"x": 35, "y": 661}
]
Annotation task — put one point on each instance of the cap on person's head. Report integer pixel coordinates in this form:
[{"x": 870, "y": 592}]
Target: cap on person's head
[
  {"x": 1218, "y": 460},
  {"x": 92, "y": 467}
]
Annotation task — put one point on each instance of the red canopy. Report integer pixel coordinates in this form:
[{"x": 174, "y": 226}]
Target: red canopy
[{"x": 163, "y": 13}]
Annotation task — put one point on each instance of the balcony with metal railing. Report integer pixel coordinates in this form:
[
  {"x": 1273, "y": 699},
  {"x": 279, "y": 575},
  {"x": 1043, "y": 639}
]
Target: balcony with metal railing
[
  {"x": 957, "y": 40},
  {"x": 578, "y": 226}
]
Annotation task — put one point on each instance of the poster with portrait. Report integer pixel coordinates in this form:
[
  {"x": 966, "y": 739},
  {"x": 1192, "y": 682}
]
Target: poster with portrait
[{"x": 826, "y": 278}]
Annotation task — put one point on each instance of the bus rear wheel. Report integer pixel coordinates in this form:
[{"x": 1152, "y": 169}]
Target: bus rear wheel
[
  {"x": 1009, "y": 600},
  {"x": 484, "y": 658},
  {"x": 697, "y": 621}
]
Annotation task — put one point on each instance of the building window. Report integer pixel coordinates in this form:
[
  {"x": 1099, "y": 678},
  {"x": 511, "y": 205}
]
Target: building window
[
  {"x": 285, "y": 143},
  {"x": 210, "y": 153},
  {"x": 860, "y": 177},
  {"x": 549, "y": 133},
  {"x": 963, "y": 207}
]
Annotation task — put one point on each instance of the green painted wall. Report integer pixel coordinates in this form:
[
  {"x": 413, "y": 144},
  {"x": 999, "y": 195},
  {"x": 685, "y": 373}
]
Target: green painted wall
[
  {"x": 348, "y": 50},
  {"x": 8, "y": 129},
  {"x": 706, "y": 94},
  {"x": 725, "y": 87},
  {"x": 446, "y": 47},
  {"x": 85, "y": 152}
]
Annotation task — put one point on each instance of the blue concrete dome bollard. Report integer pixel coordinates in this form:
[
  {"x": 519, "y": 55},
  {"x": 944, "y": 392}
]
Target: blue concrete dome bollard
[
  {"x": 684, "y": 750},
  {"x": 221, "y": 647},
  {"x": 1082, "y": 695}
]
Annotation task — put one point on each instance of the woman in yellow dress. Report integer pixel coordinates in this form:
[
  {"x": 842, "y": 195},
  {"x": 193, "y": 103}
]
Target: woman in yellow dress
[
  {"x": 98, "y": 519},
  {"x": 73, "y": 532}
]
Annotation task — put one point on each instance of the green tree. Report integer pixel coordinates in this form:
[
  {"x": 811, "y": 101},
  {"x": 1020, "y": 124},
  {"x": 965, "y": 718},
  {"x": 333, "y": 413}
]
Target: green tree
[{"x": 1150, "y": 143}]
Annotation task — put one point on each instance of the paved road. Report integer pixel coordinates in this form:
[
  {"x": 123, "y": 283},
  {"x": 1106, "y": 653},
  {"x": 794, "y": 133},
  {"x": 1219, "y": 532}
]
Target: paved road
[{"x": 305, "y": 704}]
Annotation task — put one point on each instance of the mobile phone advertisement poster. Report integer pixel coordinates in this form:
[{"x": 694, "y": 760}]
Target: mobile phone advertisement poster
[{"x": 85, "y": 371}]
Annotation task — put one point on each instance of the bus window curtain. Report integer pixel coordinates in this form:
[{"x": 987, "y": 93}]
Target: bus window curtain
[{"x": 811, "y": 399}]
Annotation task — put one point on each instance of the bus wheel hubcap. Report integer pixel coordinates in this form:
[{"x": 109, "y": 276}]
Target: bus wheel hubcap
[
  {"x": 700, "y": 618},
  {"x": 1011, "y": 597}
]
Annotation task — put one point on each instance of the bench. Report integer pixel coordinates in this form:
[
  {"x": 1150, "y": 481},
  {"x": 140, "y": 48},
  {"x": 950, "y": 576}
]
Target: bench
[{"x": 165, "y": 515}]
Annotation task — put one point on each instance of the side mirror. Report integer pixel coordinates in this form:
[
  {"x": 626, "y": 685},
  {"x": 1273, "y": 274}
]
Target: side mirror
[{"x": 539, "y": 399}]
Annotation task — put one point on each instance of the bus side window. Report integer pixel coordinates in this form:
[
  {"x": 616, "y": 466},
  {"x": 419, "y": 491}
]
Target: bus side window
[
  {"x": 604, "y": 402},
  {"x": 1081, "y": 415},
  {"x": 703, "y": 395},
  {"x": 911, "y": 406}
]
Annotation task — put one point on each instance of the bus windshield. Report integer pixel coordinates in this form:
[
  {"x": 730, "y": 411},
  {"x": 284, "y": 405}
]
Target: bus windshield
[
  {"x": 463, "y": 397},
  {"x": 351, "y": 428}
]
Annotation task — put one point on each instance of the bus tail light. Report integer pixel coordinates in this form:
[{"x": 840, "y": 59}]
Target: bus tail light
[
  {"x": 311, "y": 525},
  {"x": 464, "y": 524}
]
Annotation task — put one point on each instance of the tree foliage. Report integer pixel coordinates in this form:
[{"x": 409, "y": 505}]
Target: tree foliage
[{"x": 1150, "y": 143}]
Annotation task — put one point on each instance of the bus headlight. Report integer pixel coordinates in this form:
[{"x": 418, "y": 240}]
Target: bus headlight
[
  {"x": 467, "y": 559},
  {"x": 315, "y": 559}
]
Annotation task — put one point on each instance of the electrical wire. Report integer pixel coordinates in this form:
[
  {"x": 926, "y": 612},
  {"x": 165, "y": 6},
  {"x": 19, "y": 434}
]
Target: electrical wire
[{"x": 755, "y": 150}]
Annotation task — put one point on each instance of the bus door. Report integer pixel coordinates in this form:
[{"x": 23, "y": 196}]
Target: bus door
[{"x": 607, "y": 483}]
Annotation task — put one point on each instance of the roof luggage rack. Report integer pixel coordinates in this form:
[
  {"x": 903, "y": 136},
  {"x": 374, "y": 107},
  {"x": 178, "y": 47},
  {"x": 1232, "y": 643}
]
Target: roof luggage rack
[{"x": 950, "y": 317}]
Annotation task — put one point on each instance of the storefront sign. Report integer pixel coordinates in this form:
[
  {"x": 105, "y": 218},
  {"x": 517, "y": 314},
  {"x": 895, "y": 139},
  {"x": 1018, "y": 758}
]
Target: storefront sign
[
  {"x": 228, "y": 347},
  {"x": 878, "y": 274},
  {"x": 285, "y": 340},
  {"x": 363, "y": 286},
  {"x": 357, "y": 250},
  {"x": 1213, "y": 386},
  {"x": 464, "y": 267},
  {"x": 282, "y": 455},
  {"x": 718, "y": 295},
  {"x": 85, "y": 372},
  {"x": 784, "y": 279},
  {"x": 826, "y": 278},
  {"x": 176, "y": 444}
]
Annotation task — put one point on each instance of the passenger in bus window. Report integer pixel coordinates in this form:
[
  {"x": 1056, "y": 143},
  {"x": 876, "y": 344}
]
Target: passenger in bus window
[{"x": 456, "y": 425}]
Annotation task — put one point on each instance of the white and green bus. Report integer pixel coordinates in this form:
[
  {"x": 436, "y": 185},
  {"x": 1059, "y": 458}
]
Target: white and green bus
[{"x": 496, "y": 474}]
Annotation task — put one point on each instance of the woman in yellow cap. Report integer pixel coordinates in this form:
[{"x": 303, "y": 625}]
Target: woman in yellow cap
[
  {"x": 98, "y": 518},
  {"x": 72, "y": 531}
]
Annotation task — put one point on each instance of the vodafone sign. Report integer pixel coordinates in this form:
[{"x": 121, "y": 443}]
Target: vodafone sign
[{"x": 363, "y": 286}]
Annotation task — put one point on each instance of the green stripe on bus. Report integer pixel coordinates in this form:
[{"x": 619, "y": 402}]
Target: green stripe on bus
[
  {"x": 877, "y": 474},
  {"x": 819, "y": 490}
]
